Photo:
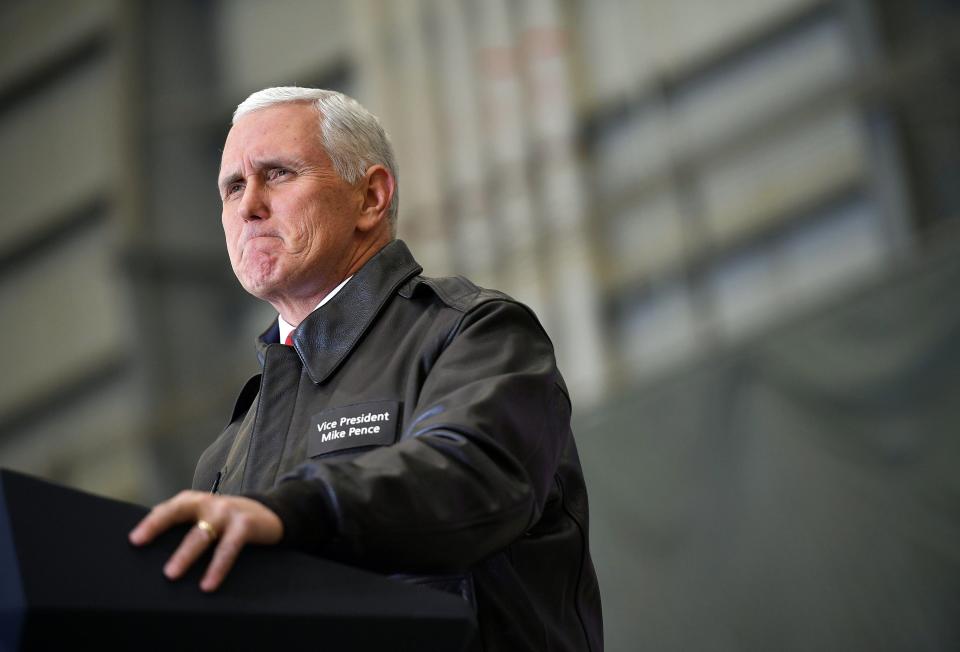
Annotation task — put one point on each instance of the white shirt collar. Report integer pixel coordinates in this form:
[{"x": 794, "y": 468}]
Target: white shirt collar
[{"x": 286, "y": 329}]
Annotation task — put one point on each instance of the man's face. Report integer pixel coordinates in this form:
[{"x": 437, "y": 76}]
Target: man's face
[{"x": 289, "y": 220}]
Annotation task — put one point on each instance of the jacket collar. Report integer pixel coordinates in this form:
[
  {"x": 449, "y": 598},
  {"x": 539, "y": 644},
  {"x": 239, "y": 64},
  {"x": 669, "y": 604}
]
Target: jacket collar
[{"x": 325, "y": 338}]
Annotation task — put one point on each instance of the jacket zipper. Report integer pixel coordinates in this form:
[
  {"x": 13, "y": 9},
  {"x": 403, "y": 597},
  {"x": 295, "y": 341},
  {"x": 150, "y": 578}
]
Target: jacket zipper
[{"x": 216, "y": 483}]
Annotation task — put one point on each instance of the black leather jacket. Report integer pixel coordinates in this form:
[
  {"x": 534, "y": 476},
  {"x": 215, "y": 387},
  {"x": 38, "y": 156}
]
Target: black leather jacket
[{"x": 420, "y": 426}]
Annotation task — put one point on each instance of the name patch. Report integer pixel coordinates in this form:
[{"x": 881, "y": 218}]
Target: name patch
[{"x": 363, "y": 424}]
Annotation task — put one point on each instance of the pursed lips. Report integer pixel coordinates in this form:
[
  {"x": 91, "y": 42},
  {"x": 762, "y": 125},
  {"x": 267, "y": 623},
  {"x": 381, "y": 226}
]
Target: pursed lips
[{"x": 248, "y": 237}]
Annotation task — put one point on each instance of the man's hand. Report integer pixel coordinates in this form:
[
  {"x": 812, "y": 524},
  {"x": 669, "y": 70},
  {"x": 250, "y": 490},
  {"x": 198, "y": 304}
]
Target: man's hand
[{"x": 233, "y": 521}]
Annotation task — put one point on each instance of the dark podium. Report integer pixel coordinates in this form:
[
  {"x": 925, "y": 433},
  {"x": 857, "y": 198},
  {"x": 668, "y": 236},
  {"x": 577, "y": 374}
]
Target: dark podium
[{"x": 70, "y": 580}]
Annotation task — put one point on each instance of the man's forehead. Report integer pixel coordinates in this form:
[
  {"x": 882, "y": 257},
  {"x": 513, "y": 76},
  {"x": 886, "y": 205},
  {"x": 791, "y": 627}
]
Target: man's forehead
[{"x": 285, "y": 130}]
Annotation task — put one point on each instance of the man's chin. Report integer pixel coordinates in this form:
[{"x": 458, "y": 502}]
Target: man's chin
[{"x": 262, "y": 286}]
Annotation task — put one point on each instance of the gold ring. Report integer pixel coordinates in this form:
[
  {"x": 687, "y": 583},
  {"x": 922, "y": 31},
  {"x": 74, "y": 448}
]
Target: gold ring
[{"x": 208, "y": 529}]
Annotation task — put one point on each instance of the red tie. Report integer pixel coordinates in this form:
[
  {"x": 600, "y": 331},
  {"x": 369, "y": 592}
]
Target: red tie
[{"x": 289, "y": 340}]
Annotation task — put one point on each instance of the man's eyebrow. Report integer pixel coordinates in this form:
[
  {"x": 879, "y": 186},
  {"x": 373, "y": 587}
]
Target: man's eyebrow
[
  {"x": 265, "y": 164},
  {"x": 226, "y": 181}
]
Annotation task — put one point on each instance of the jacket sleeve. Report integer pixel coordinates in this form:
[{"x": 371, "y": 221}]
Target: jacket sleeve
[{"x": 469, "y": 475}]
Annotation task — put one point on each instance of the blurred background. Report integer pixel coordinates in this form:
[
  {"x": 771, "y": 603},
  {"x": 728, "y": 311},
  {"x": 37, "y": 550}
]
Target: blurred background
[{"x": 737, "y": 219}]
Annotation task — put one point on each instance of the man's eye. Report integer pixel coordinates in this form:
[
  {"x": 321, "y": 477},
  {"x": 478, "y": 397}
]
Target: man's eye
[
  {"x": 234, "y": 188},
  {"x": 277, "y": 173}
]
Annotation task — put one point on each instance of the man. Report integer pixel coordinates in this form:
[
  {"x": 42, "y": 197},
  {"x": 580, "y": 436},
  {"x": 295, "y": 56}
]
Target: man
[{"x": 415, "y": 426}]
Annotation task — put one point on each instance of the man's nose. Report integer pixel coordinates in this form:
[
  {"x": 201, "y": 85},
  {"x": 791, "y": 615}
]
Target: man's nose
[{"x": 253, "y": 205}]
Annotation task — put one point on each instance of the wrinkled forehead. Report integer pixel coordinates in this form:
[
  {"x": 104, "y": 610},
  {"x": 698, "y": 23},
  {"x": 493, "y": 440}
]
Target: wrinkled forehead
[{"x": 291, "y": 129}]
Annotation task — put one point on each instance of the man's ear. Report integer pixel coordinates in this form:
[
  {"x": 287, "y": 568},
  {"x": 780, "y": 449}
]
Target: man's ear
[{"x": 378, "y": 187}]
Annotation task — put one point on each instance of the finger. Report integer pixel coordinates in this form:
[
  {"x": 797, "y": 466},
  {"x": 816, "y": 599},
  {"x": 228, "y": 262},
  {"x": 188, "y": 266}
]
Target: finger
[
  {"x": 224, "y": 557},
  {"x": 192, "y": 546},
  {"x": 181, "y": 508}
]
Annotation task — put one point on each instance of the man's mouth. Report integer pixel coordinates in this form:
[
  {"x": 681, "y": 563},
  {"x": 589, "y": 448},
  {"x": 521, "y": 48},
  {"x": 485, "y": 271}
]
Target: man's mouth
[{"x": 258, "y": 236}]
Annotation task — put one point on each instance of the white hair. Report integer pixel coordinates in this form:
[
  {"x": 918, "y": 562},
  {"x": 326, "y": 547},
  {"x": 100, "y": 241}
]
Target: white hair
[{"x": 353, "y": 137}]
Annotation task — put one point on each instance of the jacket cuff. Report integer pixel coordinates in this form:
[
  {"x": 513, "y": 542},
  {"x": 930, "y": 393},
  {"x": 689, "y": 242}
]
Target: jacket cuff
[{"x": 308, "y": 522}]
